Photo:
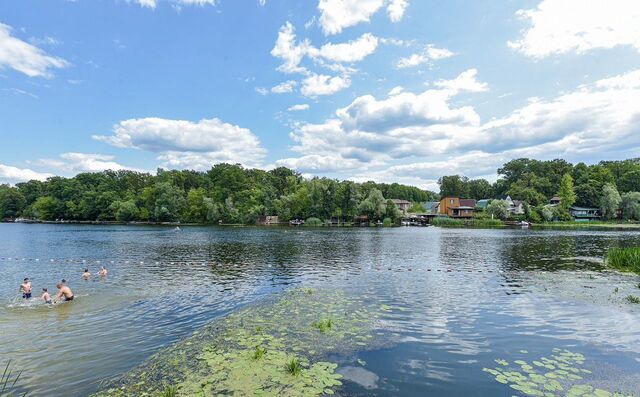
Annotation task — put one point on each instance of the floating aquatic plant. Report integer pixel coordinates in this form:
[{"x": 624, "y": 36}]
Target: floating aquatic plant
[
  {"x": 251, "y": 352},
  {"x": 557, "y": 375},
  {"x": 170, "y": 391}
]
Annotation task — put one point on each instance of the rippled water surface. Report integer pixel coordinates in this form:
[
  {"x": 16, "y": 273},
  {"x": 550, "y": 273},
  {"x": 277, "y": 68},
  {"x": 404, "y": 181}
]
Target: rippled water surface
[{"x": 469, "y": 296}]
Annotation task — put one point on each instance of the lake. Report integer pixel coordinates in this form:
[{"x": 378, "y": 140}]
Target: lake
[{"x": 464, "y": 298}]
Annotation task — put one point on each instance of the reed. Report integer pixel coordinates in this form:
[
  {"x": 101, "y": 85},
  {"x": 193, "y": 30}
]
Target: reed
[
  {"x": 8, "y": 381},
  {"x": 624, "y": 259}
]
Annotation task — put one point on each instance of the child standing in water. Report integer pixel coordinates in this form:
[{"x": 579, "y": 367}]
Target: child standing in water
[
  {"x": 25, "y": 288},
  {"x": 86, "y": 274},
  {"x": 46, "y": 297}
]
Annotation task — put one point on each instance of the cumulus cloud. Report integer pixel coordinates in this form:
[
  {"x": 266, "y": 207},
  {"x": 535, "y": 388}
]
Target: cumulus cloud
[
  {"x": 26, "y": 58},
  {"x": 321, "y": 84},
  {"x": 336, "y": 15},
  {"x": 289, "y": 51},
  {"x": 562, "y": 26},
  {"x": 284, "y": 87},
  {"x": 299, "y": 107},
  {"x": 430, "y": 54},
  {"x": 188, "y": 144},
  {"x": 83, "y": 162},
  {"x": 417, "y": 137},
  {"x": 11, "y": 174},
  {"x": 352, "y": 51}
]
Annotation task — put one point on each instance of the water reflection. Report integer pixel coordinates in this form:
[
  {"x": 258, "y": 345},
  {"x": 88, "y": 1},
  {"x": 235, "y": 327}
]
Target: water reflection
[{"x": 459, "y": 297}]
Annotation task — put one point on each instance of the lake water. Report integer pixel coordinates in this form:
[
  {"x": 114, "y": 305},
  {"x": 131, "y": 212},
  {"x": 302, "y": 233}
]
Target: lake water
[{"x": 469, "y": 297}]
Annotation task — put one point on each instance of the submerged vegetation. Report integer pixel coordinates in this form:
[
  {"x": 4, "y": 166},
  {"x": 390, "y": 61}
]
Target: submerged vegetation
[
  {"x": 624, "y": 259},
  {"x": 274, "y": 349},
  {"x": 559, "y": 375}
]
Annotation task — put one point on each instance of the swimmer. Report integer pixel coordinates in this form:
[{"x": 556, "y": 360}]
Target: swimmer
[
  {"x": 103, "y": 271},
  {"x": 63, "y": 291},
  {"x": 86, "y": 274},
  {"x": 46, "y": 297},
  {"x": 25, "y": 288}
]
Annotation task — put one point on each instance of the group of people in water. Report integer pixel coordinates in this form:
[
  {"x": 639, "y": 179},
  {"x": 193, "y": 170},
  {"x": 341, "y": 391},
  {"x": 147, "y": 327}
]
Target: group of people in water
[{"x": 64, "y": 292}]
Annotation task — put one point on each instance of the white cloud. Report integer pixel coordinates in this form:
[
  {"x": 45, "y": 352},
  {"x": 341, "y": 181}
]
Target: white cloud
[
  {"x": 561, "y": 26},
  {"x": 298, "y": 107},
  {"x": 352, "y": 51},
  {"x": 318, "y": 163},
  {"x": 262, "y": 90},
  {"x": 26, "y": 58},
  {"x": 10, "y": 174},
  {"x": 396, "y": 90},
  {"x": 262, "y": 2},
  {"x": 83, "y": 162},
  {"x": 147, "y": 3},
  {"x": 336, "y": 15},
  {"x": 289, "y": 51},
  {"x": 321, "y": 84},
  {"x": 396, "y": 9},
  {"x": 466, "y": 81},
  {"x": 184, "y": 144},
  {"x": 284, "y": 87},
  {"x": 430, "y": 54}
]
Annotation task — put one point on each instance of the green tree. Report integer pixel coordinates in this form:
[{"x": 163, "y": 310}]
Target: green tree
[
  {"x": 498, "y": 209},
  {"x": 12, "y": 202},
  {"x": 567, "y": 196},
  {"x": 392, "y": 211},
  {"x": 127, "y": 211},
  {"x": 46, "y": 208},
  {"x": 374, "y": 206},
  {"x": 169, "y": 202},
  {"x": 416, "y": 208},
  {"x": 610, "y": 201},
  {"x": 631, "y": 205},
  {"x": 454, "y": 186},
  {"x": 480, "y": 189}
]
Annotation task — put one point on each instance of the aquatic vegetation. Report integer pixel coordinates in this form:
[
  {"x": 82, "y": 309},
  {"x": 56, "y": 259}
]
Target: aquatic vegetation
[
  {"x": 170, "y": 391},
  {"x": 294, "y": 367},
  {"x": 8, "y": 382},
  {"x": 561, "y": 374},
  {"x": 624, "y": 259},
  {"x": 323, "y": 325},
  {"x": 271, "y": 349},
  {"x": 633, "y": 299},
  {"x": 259, "y": 353}
]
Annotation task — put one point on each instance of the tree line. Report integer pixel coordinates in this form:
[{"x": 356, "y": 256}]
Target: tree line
[
  {"x": 226, "y": 193},
  {"x": 610, "y": 186}
]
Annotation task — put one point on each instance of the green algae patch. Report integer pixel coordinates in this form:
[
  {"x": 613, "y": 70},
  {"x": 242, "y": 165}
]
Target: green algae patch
[
  {"x": 276, "y": 348},
  {"x": 561, "y": 374}
]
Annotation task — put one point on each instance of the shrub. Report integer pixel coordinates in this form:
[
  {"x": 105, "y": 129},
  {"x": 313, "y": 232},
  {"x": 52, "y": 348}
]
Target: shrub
[
  {"x": 442, "y": 221},
  {"x": 625, "y": 259},
  {"x": 387, "y": 222},
  {"x": 313, "y": 222}
]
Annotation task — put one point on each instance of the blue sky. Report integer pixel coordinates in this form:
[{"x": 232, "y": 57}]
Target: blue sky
[{"x": 388, "y": 90}]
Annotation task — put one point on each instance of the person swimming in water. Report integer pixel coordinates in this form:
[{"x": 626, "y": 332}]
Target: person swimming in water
[
  {"x": 103, "y": 271},
  {"x": 86, "y": 274},
  {"x": 25, "y": 288},
  {"x": 46, "y": 297},
  {"x": 64, "y": 291}
]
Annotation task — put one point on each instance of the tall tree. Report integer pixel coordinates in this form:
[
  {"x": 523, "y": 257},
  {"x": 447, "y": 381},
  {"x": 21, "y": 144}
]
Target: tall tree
[
  {"x": 566, "y": 193},
  {"x": 610, "y": 201},
  {"x": 454, "y": 186}
]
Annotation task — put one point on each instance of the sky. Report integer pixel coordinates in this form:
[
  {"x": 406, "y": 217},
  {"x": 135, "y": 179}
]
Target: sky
[{"x": 386, "y": 90}]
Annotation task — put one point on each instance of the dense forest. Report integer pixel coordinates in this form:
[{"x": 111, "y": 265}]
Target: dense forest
[
  {"x": 234, "y": 194},
  {"x": 226, "y": 193}
]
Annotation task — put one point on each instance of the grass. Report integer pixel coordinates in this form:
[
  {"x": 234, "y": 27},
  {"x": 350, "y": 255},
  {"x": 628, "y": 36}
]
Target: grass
[
  {"x": 624, "y": 259},
  {"x": 259, "y": 352},
  {"x": 294, "y": 367},
  {"x": 323, "y": 325},
  {"x": 169, "y": 391},
  {"x": 7, "y": 383},
  {"x": 633, "y": 299}
]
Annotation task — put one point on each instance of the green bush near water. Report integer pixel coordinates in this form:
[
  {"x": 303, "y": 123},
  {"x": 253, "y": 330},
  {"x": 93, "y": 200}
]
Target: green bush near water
[
  {"x": 624, "y": 259},
  {"x": 313, "y": 222},
  {"x": 452, "y": 222}
]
